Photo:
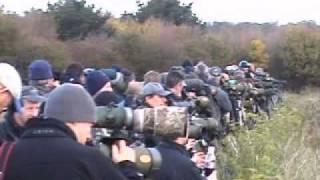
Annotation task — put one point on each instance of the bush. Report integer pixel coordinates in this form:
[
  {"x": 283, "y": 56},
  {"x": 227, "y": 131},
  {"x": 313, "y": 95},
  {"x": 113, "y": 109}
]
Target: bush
[{"x": 35, "y": 38}]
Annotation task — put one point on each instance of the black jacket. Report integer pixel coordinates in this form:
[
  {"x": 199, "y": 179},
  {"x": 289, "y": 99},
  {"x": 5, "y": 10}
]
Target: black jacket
[
  {"x": 176, "y": 163},
  {"x": 9, "y": 130},
  {"x": 48, "y": 150}
]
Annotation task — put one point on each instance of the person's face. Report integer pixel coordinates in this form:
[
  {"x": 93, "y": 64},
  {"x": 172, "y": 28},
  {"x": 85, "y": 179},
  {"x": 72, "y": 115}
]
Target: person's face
[
  {"x": 246, "y": 69},
  {"x": 225, "y": 77},
  {"x": 156, "y": 100},
  {"x": 50, "y": 83},
  {"x": 30, "y": 110},
  {"x": 191, "y": 95},
  {"x": 5, "y": 98},
  {"x": 82, "y": 130}
]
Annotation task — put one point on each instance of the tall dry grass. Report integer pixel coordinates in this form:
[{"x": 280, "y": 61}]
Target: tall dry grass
[{"x": 284, "y": 148}]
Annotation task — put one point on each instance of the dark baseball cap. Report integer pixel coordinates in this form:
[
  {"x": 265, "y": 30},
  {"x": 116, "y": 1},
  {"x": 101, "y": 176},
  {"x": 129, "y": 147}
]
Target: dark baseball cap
[
  {"x": 153, "y": 88},
  {"x": 32, "y": 94}
]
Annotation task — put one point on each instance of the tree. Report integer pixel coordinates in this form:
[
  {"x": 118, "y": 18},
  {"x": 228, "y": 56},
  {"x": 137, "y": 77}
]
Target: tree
[
  {"x": 76, "y": 19},
  {"x": 9, "y": 35},
  {"x": 154, "y": 43},
  {"x": 300, "y": 55},
  {"x": 167, "y": 10},
  {"x": 258, "y": 53}
]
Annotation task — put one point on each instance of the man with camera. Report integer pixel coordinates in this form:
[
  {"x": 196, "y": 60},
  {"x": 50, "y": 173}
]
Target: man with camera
[
  {"x": 155, "y": 95},
  {"x": 176, "y": 161},
  {"x": 53, "y": 148},
  {"x": 175, "y": 84}
]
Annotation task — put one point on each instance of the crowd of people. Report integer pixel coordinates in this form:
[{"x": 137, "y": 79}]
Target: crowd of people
[{"x": 45, "y": 129}]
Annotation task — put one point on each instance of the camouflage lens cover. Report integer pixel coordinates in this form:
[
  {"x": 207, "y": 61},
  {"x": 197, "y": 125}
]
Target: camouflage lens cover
[{"x": 165, "y": 121}]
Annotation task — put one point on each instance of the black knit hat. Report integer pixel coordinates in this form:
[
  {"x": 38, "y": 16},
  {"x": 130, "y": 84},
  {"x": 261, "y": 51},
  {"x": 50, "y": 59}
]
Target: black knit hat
[
  {"x": 187, "y": 63},
  {"x": 73, "y": 74}
]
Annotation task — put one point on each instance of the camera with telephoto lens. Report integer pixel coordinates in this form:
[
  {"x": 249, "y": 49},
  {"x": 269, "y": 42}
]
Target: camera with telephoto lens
[
  {"x": 159, "y": 121},
  {"x": 114, "y": 123},
  {"x": 206, "y": 112}
]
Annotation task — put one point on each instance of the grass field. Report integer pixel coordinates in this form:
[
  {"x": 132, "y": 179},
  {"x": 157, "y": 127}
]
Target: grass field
[{"x": 287, "y": 147}]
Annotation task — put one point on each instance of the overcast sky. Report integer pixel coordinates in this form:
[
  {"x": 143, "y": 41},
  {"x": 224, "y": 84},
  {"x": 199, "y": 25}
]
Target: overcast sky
[{"x": 281, "y": 11}]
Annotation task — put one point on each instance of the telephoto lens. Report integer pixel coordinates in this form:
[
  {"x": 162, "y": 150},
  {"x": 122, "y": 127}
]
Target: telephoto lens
[
  {"x": 114, "y": 117},
  {"x": 160, "y": 121},
  {"x": 114, "y": 123}
]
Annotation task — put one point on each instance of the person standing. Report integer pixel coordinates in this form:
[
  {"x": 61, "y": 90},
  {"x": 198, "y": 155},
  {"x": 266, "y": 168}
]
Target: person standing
[{"x": 54, "y": 147}]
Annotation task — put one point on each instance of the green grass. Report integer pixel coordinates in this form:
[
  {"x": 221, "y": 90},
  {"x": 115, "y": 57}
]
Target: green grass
[{"x": 284, "y": 148}]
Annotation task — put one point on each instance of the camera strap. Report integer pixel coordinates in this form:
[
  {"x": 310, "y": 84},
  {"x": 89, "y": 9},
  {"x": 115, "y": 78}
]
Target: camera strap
[{"x": 5, "y": 152}]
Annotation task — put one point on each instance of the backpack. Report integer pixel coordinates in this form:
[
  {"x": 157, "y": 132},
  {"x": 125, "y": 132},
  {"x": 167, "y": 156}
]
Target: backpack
[{"x": 6, "y": 149}]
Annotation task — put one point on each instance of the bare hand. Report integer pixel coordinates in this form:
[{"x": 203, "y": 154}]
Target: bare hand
[
  {"x": 121, "y": 152},
  {"x": 190, "y": 144},
  {"x": 199, "y": 158}
]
